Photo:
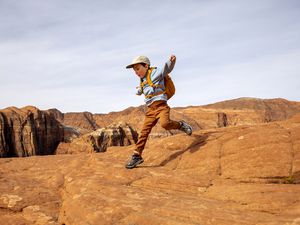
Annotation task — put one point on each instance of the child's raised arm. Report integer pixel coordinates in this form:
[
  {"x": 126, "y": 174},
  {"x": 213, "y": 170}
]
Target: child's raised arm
[
  {"x": 173, "y": 59},
  {"x": 168, "y": 67}
]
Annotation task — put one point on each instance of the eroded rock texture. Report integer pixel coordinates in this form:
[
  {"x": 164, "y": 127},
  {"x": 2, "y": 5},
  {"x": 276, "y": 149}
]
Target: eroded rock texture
[
  {"x": 28, "y": 131},
  {"x": 236, "y": 112},
  {"x": 98, "y": 141}
]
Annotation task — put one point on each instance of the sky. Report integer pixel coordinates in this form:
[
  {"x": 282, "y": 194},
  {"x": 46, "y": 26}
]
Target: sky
[{"x": 71, "y": 54}]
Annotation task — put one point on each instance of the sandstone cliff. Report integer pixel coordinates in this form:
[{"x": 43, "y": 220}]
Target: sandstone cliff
[
  {"x": 28, "y": 131},
  {"x": 85, "y": 121}
]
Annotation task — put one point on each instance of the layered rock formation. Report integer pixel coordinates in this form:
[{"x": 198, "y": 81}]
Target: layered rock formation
[
  {"x": 84, "y": 121},
  {"x": 28, "y": 131},
  {"x": 243, "y": 111},
  {"x": 247, "y": 174},
  {"x": 271, "y": 109},
  {"x": 97, "y": 141}
]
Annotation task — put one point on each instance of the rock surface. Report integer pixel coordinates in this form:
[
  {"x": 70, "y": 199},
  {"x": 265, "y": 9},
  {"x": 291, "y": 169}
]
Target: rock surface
[
  {"x": 97, "y": 141},
  {"x": 232, "y": 175},
  {"x": 28, "y": 131}
]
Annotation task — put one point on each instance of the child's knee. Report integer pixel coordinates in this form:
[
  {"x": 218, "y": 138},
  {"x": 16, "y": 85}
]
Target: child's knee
[{"x": 165, "y": 125}]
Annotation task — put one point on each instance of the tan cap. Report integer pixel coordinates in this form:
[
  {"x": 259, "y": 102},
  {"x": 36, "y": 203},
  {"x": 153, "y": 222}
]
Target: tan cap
[{"x": 137, "y": 60}]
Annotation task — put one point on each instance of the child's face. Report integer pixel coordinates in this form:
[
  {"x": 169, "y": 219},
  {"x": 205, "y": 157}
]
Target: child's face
[{"x": 140, "y": 70}]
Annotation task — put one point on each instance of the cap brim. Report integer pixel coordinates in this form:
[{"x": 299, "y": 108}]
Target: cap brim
[{"x": 130, "y": 66}]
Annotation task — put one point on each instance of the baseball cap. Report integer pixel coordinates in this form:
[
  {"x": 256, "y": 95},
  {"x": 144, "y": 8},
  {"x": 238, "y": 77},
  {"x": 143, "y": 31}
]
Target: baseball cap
[{"x": 137, "y": 60}]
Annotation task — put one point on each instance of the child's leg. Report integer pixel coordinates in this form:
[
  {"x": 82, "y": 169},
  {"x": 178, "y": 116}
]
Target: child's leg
[
  {"x": 164, "y": 117},
  {"x": 149, "y": 122}
]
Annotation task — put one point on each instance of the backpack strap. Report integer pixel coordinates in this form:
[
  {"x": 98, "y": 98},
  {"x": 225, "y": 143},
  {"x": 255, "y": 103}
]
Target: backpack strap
[
  {"x": 142, "y": 84},
  {"x": 149, "y": 81},
  {"x": 155, "y": 94}
]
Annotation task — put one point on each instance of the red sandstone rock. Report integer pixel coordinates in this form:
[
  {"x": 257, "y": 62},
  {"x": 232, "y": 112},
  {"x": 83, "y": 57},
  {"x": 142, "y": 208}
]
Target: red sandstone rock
[
  {"x": 85, "y": 121},
  {"x": 28, "y": 131},
  {"x": 243, "y": 111},
  {"x": 97, "y": 141},
  {"x": 272, "y": 109},
  {"x": 234, "y": 175}
]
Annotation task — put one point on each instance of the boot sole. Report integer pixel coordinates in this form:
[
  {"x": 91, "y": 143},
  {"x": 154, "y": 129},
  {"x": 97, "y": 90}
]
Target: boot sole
[
  {"x": 189, "y": 133},
  {"x": 134, "y": 165},
  {"x": 189, "y": 127}
]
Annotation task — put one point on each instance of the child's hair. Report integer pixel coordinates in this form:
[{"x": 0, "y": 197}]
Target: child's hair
[{"x": 144, "y": 64}]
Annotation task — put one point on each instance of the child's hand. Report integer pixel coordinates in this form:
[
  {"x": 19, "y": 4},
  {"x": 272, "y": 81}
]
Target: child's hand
[
  {"x": 172, "y": 58},
  {"x": 139, "y": 91}
]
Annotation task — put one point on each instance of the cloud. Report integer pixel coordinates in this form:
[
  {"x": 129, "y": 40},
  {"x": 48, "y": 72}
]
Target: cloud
[{"x": 55, "y": 51}]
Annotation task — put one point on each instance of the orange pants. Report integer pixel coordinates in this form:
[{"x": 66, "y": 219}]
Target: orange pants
[{"x": 158, "y": 110}]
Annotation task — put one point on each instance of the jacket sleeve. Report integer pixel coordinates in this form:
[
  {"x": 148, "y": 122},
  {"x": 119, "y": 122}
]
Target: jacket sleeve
[{"x": 160, "y": 73}]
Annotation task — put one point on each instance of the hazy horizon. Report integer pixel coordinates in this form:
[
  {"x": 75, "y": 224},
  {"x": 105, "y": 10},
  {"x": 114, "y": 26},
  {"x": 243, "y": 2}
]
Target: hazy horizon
[{"x": 71, "y": 55}]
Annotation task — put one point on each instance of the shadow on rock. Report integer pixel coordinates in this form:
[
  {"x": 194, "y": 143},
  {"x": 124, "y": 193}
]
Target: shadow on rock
[{"x": 199, "y": 141}]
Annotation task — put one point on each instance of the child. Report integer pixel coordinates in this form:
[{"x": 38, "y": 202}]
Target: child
[{"x": 156, "y": 101}]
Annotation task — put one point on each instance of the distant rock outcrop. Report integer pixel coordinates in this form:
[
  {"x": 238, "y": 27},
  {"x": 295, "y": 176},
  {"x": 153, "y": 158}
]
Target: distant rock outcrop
[
  {"x": 222, "y": 120},
  {"x": 242, "y": 111},
  {"x": 57, "y": 114},
  {"x": 272, "y": 109},
  {"x": 97, "y": 141},
  {"x": 28, "y": 131},
  {"x": 84, "y": 121}
]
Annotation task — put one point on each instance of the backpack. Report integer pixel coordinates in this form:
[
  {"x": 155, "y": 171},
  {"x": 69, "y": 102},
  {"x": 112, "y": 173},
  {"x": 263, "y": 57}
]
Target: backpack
[{"x": 169, "y": 85}]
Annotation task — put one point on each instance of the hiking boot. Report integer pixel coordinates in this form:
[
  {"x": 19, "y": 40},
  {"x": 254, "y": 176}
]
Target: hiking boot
[
  {"x": 135, "y": 160},
  {"x": 186, "y": 128}
]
